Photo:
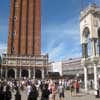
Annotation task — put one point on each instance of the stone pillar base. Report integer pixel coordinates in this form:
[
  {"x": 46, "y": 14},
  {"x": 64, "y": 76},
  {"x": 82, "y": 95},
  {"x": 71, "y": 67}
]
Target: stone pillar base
[{"x": 85, "y": 78}]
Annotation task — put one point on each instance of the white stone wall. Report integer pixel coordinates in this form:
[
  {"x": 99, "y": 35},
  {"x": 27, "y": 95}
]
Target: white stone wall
[
  {"x": 72, "y": 67},
  {"x": 57, "y": 67},
  {"x": 89, "y": 18}
]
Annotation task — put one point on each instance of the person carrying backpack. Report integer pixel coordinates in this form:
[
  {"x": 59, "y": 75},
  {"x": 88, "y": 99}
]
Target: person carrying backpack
[
  {"x": 45, "y": 93},
  {"x": 8, "y": 94},
  {"x": 61, "y": 92},
  {"x": 1, "y": 93},
  {"x": 33, "y": 95},
  {"x": 17, "y": 95}
]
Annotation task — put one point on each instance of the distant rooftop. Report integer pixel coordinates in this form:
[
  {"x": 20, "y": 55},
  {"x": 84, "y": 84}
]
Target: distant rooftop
[{"x": 72, "y": 60}]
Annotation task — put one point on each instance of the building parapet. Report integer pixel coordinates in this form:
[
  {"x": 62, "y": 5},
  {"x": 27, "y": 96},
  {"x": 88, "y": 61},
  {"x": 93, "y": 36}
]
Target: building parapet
[
  {"x": 25, "y": 60},
  {"x": 90, "y": 9}
]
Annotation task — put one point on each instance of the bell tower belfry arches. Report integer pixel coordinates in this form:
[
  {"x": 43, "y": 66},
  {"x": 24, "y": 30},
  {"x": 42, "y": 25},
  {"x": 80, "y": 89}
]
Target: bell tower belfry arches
[{"x": 90, "y": 32}]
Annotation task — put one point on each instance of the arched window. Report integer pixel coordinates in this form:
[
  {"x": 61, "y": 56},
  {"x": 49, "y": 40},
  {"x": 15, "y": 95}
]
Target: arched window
[
  {"x": 24, "y": 73},
  {"x": 86, "y": 43},
  {"x": 38, "y": 74},
  {"x": 11, "y": 73},
  {"x": 86, "y": 33}
]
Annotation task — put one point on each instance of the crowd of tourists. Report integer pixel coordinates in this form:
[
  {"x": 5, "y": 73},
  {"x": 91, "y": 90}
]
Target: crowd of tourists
[{"x": 45, "y": 89}]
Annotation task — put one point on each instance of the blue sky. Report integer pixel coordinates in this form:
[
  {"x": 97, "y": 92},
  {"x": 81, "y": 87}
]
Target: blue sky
[{"x": 60, "y": 27}]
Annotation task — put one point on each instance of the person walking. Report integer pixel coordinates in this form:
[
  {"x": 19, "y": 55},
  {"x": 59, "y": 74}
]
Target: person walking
[
  {"x": 77, "y": 87},
  {"x": 8, "y": 94},
  {"x": 1, "y": 93},
  {"x": 45, "y": 93},
  {"x": 29, "y": 88},
  {"x": 54, "y": 91},
  {"x": 33, "y": 95},
  {"x": 72, "y": 88},
  {"x": 17, "y": 95},
  {"x": 61, "y": 92}
]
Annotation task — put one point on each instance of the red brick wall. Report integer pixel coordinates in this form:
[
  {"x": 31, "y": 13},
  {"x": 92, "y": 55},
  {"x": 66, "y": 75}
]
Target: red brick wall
[
  {"x": 23, "y": 28},
  {"x": 37, "y": 29},
  {"x": 31, "y": 27},
  {"x": 27, "y": 40},
  {"x": 10, "y": 27},
  {"x": 18, "y": 28}
]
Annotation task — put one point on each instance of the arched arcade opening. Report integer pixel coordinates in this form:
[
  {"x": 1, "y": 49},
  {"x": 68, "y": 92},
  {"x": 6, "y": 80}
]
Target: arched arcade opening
[
  {"x": 38, "y": 74},
  {"x": 11, "y": 73},
  {"x": 24, "y": 73}
]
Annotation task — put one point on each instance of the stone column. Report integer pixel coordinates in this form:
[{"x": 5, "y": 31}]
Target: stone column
[
  {"x": 20, "y": 75},
  {"x": 1, "y": 72},
  {"x": 29, "y": 73},
  {"x": 95, "y": 77},
  {"x": 99, "y": 47},
  {"x": 6, "y": 71},
  {"x": 85, "y": 78},
  {"x": 34, "y": 73},
  {"x": 43, "y": 73},
  {"x": 94, "y": 59},
  {"x": 85, "y": 56},
  {"x": 93, "y": 44},
  {"x": 15, "y": 73}
]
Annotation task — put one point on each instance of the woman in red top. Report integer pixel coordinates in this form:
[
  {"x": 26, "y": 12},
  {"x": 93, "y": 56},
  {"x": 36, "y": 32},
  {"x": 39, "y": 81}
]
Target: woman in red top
[{"x": 77, "y": 87}]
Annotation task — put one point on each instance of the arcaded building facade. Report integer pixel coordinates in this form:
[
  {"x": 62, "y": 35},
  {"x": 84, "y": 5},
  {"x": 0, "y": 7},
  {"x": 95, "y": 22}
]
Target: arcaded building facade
[
  {"x": 23, "y": 58},
  {"x": 90, "y": 41}
]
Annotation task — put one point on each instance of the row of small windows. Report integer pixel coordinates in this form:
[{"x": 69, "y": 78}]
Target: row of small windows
[
  {"x": 14, "y": 25},
  {"x": 13, "y": 34}
]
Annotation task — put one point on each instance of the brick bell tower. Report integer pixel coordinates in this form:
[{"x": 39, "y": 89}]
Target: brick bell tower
[
  {"x": 24, "y": 36},
  {"x": 23, "y": 58}
]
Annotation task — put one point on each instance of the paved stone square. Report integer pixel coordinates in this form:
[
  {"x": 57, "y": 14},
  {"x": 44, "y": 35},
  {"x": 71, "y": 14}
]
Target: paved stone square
[{"x": 67, "y": 96}]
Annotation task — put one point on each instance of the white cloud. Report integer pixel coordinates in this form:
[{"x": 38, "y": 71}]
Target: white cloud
[
  {"x": 63, "y": 40},
  {"x": 60, "y": 52},
  {"x": 68, "y": 27},
  {"x": 54, "y": 53}
]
